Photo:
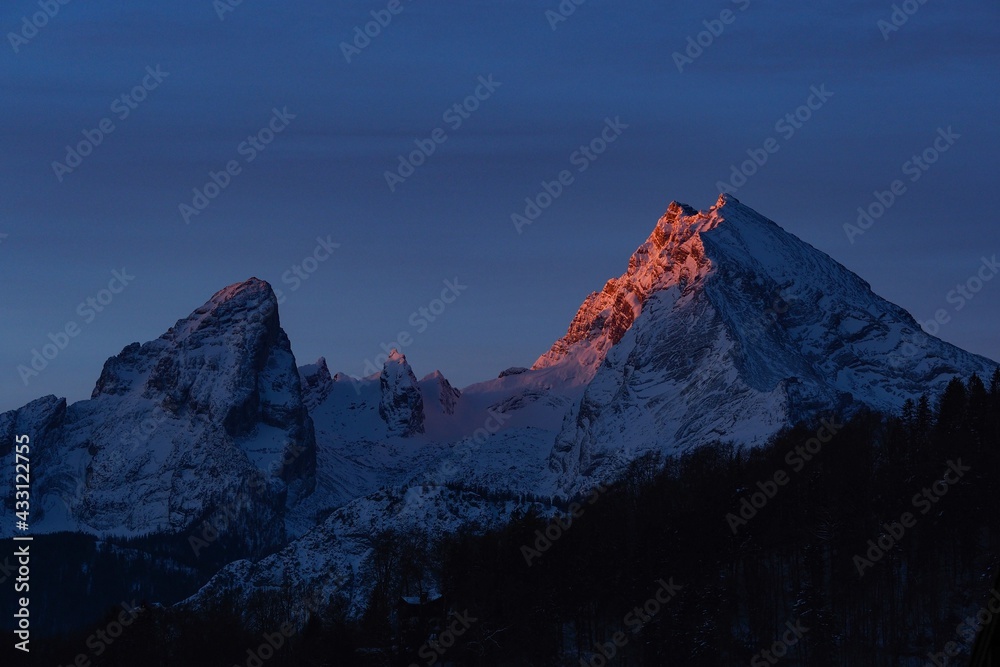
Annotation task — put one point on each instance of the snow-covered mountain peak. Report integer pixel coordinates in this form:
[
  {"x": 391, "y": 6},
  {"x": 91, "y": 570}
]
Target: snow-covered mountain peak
[
  {"x": 727, "y": 326},
  {"x": 401, "y": 405},
  {"x": 725, "y": 199},
  {"x": 180, "y": 424},
  {"x": 436, "y": 385},
  {"x": 723, "y": 326},
  {"x": 676, "y": 209},
  {"x": 229, "y": 357},
  {"x": 672, "y": 256},
  {"x": 249, "y": 288},
  {"x": 318, "y": 369},
  {"x": 681, "y": 221},
  {"x": 316, "y": 382},
  {"x": 252, "y": 300}
]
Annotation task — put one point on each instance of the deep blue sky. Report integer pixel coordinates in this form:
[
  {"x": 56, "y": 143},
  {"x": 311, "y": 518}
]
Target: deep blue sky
[{"x": 323, "y": 176}]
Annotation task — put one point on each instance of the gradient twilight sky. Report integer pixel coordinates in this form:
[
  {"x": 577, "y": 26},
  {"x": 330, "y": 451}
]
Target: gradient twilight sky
[{"x": 323, "y": 176}]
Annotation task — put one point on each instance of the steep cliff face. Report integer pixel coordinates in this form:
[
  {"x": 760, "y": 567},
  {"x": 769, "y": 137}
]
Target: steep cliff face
[
  {"x": 207, "y": 417},
  {"x": 401, "y": 405},
  {"x": 672, "y": 255},
  {"x": 445, "y": 396}
]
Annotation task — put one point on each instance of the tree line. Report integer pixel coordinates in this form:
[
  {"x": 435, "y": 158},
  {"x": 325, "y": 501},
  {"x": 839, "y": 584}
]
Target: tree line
[{"x": 791, "y": 561}]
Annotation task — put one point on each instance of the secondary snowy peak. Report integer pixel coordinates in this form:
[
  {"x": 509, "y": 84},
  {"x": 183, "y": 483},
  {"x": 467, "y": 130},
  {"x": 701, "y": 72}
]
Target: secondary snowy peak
[
  {"x": 437, "y": 385},
  {"x": 317, "y": 383},
  {"x": 229, "y": 361},
  {"x": 208, "y": 415},
  {"x": 240, "y": 318},
  {"x": 401, "y": 406}
]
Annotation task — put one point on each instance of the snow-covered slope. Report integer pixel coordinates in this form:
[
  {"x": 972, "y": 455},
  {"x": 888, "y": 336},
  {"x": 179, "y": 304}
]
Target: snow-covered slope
[
  {"x": 334, "y": 559},
  {"x": 497, "y": 434}
]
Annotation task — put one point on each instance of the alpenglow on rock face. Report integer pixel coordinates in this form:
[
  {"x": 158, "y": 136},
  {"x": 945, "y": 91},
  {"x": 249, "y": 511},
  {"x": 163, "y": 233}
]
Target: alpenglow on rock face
[
  {"x": 208, "y": 416},
  {"x": 727, "y": 327},
  {"x": 723, "y": 327}
]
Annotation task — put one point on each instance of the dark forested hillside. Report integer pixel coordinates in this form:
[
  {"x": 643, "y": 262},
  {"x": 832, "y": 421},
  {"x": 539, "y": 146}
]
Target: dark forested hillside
[{"x": 861, "y": 541}]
